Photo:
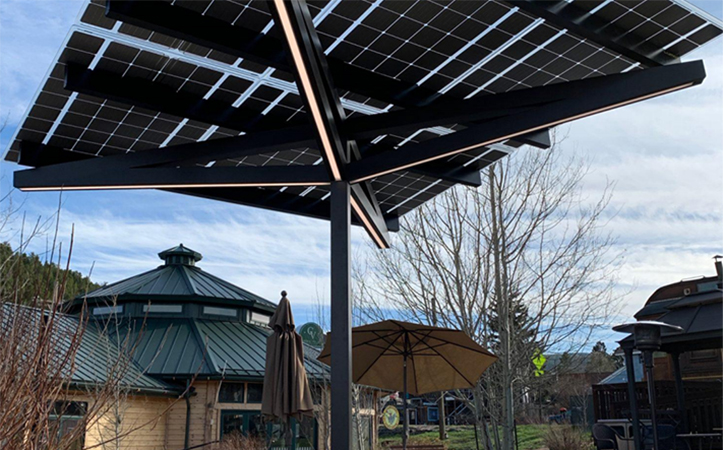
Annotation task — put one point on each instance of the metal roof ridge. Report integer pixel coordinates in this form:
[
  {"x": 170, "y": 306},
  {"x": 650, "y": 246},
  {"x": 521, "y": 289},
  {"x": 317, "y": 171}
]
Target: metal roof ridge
[
  {"x": 116, "y": 283},
  {"x": 187, "y": 278},
  {"x": 250, "y": 295},
  {"x": 204, "y": 345}
]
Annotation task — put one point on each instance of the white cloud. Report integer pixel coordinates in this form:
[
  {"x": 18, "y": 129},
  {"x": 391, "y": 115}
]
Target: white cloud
[
  {"x": 666, "y": 157},
  {"x": 261, "y": 251},
  {"x": 664, "y": 154}
]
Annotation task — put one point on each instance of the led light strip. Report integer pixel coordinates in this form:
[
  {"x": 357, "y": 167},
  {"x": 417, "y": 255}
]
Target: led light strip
[
  {"x": 368, "y": 224},
  {"x": 170, "y": 186},
  {"x": 307, "y": 87},
  {"x": 518, "y": 133}
]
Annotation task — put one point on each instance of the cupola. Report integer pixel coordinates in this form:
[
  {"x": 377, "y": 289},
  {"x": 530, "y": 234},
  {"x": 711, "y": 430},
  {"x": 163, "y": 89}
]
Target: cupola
[{"x": 180, "y": 255}]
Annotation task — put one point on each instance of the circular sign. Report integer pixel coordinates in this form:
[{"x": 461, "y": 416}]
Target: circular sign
[
  {"x": 390, "y": 417},
  {"x": 312, "y": 334}
]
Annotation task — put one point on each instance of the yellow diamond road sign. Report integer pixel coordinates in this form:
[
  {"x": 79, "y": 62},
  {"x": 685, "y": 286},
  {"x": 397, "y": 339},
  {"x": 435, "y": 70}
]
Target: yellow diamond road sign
[{"x": 539, "y": 360}]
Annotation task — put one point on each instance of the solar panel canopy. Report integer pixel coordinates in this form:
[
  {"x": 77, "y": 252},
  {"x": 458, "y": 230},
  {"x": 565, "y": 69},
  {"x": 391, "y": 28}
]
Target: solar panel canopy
[{"x": 457, "y": 50}]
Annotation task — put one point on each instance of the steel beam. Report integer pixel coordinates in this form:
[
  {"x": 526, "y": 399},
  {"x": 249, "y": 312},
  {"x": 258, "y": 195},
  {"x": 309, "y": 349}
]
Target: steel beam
[
  {"x": 59, "y": 177},
  {"x": 367, "y": 210},
  {"x": 35, "y": 155},
  {"x": 157, "y": 96},
  {"x": 341, "y": 365},
  {"x": 324, "y": 107},
  {"x": 540, "y": 139},
  {"x": 309, "y": 66},
  {"x": 603, "y": 94},
  {"x": 269, "y": 199},
  {"x": 444, "y": 170},
  {"x": 220, "y": 35},
  {"x": 579, "y": 21}
]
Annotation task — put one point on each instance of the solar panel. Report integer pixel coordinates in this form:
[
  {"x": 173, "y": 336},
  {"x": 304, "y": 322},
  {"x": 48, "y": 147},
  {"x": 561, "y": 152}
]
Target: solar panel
[{"x": 461, "y": 49}]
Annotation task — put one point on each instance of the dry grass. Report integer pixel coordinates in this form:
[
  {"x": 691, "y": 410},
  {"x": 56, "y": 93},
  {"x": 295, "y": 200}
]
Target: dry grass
[
  {"x": 237, "y": 441},
  {"x": 566, "y": 437}
]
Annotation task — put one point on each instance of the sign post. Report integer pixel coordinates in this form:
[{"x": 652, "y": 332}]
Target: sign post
[{"x": 539, "y": 360}]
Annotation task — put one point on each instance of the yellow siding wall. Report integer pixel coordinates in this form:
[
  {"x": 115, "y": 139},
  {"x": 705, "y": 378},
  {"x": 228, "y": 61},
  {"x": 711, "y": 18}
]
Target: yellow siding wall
[
  {"x": 159, "y": 423},
  {"x": 204, "y": 423},
  {"x": 142, "y": 425}
]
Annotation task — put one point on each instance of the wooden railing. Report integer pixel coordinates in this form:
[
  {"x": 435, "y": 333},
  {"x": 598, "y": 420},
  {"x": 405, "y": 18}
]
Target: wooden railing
[{"x": 702, "y": 402}]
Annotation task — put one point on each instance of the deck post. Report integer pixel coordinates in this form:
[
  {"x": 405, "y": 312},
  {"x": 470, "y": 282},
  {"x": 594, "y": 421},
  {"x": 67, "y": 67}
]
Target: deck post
[
  {"x": 630, "y": 369},
  {"x": 680, "y": 391},
  {"x": 340, "y": 316}
]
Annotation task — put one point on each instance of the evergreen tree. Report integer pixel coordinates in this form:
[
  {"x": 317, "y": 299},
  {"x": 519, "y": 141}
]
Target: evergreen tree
[
  {"x": 26, "y": 276},
  {"x": 600, "y": 360},
  {"x": 522, "y": 332}
]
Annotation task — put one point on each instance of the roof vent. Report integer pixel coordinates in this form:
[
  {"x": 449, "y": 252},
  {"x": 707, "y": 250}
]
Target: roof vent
[{"x": 180, "y": 255}]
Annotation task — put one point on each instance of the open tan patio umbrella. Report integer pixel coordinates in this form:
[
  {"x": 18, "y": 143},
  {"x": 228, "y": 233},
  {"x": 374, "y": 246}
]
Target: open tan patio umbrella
[
  {"x": 286, "y": 389},
  {"x": 413, "y": 358}
]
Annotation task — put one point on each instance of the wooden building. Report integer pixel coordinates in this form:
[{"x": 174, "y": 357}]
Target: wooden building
[
  {"x": 688, "y": 371},
  {"x": 182, "y": 326}
]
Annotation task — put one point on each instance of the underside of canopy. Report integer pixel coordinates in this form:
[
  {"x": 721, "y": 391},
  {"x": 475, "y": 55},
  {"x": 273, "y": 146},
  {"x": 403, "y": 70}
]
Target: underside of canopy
[{"x": 265, "y": 103}]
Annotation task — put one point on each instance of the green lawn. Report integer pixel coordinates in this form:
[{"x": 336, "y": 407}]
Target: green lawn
[{"x": 461, "y": 437}]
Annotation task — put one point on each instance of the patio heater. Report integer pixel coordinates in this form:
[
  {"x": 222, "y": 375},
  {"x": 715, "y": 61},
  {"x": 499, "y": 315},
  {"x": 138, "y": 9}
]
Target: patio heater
[{"x": 647, "y": 339}]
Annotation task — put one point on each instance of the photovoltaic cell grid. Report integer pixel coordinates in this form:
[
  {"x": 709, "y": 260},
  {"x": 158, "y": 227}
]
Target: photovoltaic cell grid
[{"x": 459, "y": 48}]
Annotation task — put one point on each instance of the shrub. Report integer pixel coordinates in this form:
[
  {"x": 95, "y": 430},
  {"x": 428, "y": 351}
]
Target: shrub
[
  {"x": 237, "y": 441},
  {"x": 567, "y": 438}
]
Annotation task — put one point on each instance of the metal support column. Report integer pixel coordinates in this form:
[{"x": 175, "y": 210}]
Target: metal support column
[
  {"x": 648, "y": 361},
  {"x": 630, "y": 369},
  {"x": 680, "y": 391},
  {"x": 340, "y": 316}
]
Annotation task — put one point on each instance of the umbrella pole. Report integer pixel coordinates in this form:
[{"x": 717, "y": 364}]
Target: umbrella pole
[{"x": 405, "y": 433}]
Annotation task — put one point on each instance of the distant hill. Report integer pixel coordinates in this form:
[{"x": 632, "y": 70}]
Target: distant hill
[{"x": 27, "y": 276}]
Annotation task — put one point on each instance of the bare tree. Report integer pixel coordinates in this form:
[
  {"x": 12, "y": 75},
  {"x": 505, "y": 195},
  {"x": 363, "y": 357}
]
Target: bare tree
[
  {"x": 43, "y": 403},
  {"x": 520, "y": 264}
]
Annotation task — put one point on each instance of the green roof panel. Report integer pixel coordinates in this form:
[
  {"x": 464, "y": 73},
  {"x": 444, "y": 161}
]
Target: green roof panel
[
  {"x": 207, "y": 348},
  {"x": 179, "y": 279}
]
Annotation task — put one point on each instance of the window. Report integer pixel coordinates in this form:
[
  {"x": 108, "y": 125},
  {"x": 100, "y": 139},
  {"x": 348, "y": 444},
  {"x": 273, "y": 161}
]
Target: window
[
  {"x": 162, "y": 308},
  {"x": 432, "y": 414},
  {"x": 256, "y": 391},
  {"x": 102, "y": 310},
  {"x": 228, "y": 312},
  {"x": 260, "y": 318},
  {"x": 703, "y": 355},
  {"x": 709, "y": 286},
  {"x": 241, "y": 422},
  {"x": 66, "y": 416},
  {"x": 231, "y": 393}
]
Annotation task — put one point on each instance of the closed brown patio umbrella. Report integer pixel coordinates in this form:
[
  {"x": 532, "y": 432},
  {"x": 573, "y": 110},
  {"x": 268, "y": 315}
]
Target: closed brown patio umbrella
[
  {"x": 413, "y": 358},
  {"x": 286, "y": 389}
]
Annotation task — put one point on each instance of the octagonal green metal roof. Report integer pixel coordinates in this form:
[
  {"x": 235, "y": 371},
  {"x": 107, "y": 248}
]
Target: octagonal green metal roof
[{"x": 179, "y": 279}]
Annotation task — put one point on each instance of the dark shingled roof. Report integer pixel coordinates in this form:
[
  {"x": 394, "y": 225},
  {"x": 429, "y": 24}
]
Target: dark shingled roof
[
  {"x": 701, "y": 317},
  {"x": 179, "y": 279}
]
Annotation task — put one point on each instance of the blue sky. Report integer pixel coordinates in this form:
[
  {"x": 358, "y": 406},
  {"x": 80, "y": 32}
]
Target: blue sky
[{"x": 665, "y": 156}]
